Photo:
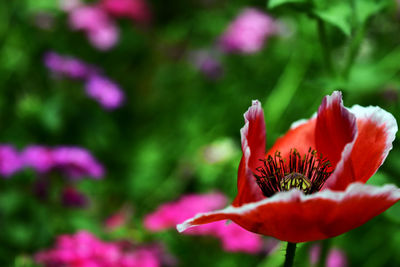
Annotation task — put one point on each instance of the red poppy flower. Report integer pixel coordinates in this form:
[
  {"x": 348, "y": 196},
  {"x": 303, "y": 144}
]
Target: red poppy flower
[{"x": 311, "y": 184}]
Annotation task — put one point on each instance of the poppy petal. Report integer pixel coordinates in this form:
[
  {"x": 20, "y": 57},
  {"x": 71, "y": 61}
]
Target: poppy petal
[
  {"x": 300, "y": 136},
  {"x": 335, "y": 129},
  {"x": 295, "y": 217},
  {"x": 376, "y": 131},
  {"x": 253, "y": 148}
]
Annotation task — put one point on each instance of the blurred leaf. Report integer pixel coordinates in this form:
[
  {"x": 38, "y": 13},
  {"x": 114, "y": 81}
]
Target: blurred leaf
[
  {"x": 41, "y": 5},
  {"x": 275, "y": 3},
  {"x": 367, "y": 8},
  {"x": 24, "y": 261},
  {"x": 338, "y": 14},
  {"x": 276, "y": 258},
  {"x": 379, "y": 178},
  {"x": 393, "y": 213}
]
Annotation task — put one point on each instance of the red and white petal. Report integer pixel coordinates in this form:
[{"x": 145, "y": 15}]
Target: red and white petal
[
  {"x": 253, "y": 148},
  {"x": 300, "y": 136},
  {"x": 295, "y": 217},
  {"x": 335, "y": 128},
  {"x": 376, "y": 131}
]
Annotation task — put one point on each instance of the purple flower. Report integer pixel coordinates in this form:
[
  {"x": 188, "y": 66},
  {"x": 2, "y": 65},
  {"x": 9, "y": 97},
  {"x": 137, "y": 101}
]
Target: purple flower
[
  {"x": 107, "y": 93},
  {"x": 67, "y": 66},
  {"x": 37, "y": 157},
  {"x": 10, "y": 161},
  {"x": 207, "y": 63},
  {"x": 98, "y": 87},
  {"x": 77, "y": 162},
  {"x": 85, "y": 249},
  {"x": 94, "y": 21},
  {"x": 248, "y": 32}
]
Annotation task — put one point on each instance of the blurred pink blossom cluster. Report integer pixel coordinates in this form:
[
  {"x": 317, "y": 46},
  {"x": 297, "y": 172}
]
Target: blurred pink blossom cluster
[
  {"x": 84, "y": 249},
  {"x": 97, "y": 20},
  {"x": 248, "y": 32},
  {"x": 75, "y": 162},
  {"x": 98, "y": 87},
  {"x": 233, "y": 237},
  {"x": 335, "y": 258},
  {"x": 9, "y": 160}
]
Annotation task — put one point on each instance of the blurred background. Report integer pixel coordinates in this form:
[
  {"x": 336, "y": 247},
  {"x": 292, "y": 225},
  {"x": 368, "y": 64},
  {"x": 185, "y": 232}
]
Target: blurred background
[{"x": 121, "y": 118}]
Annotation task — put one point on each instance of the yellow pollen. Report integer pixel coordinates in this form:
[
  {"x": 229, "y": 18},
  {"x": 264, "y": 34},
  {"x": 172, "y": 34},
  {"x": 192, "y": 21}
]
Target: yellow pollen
[{"x": 295, "y": 180}]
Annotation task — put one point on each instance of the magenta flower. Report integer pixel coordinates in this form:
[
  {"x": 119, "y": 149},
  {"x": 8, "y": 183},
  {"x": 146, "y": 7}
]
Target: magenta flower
[
  {"x": 335, "y": 258},
  {"x": 77, "y": 162},
  {"x": 37, "y": 157},
  {"x": 99, "y": 27},
  {"x": 84, "y": 249},
  {"x": 167, "y": 214},
  {"x": 233, "y": 237},
  {"x": 10, "y": 161},
  {"x": 137, "y": 10},
  {"x": 67, "y": 66},
  {"x": 106, "y": 92},
  {"x": 248, "y": 32}
]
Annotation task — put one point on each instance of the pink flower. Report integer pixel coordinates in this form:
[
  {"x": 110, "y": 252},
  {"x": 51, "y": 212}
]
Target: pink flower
[
  {"x": 248, "y": 32},
  {"x": 10, "y": 161},
  {"x": 232, "y": 236},
  {"x": 335, "y": 258},
  {"x": 168, "y": 214},
  {"x": 94, "y": 21},
  {"x": 118, "y": 219},
  {"x": 137, "y": 10},
  {"x": 84, "y": 249},
  {"x": 106, "y": 92},
  {"x": 38, "y": 157},
  {"x": 77, "y": 162}
]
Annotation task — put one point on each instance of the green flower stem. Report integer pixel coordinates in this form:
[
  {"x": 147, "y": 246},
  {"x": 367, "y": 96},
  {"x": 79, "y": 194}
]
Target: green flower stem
[
  {"x": 325, "y": 46},
  {"x": 290, "y": 253},
  {"x": 354, "y": 48},
  {"x": 289, "y": 82},
  {"x": 325, "y": 247}
]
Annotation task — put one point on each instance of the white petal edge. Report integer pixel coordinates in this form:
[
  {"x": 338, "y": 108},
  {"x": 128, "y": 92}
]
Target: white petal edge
[
  {"x": 252, "y": 112},
  {"x": 382, "y": 118},
  {"x": 390, "y": 191}
]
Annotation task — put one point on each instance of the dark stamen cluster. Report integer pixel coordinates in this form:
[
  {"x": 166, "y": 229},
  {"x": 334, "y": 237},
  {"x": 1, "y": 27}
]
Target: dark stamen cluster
[{"x": 307, "y": 173}]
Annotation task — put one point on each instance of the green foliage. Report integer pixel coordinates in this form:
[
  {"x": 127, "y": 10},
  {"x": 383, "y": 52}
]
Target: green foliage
[{"x": 346, "y": 15}]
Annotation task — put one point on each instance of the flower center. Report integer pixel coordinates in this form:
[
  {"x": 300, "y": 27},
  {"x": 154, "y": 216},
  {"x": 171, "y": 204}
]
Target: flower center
[{"x": 307, "y": 173}]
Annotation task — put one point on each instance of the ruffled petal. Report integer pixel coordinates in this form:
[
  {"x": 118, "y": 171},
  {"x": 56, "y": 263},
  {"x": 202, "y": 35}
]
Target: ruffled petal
[
  {"x": 336, "y": 127},
  {"x": 253, "y": 147},
  {"x": 301, "y": 136},
  {"x": 376, "y": 131},
  {"x": 295, "y": 217}
]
